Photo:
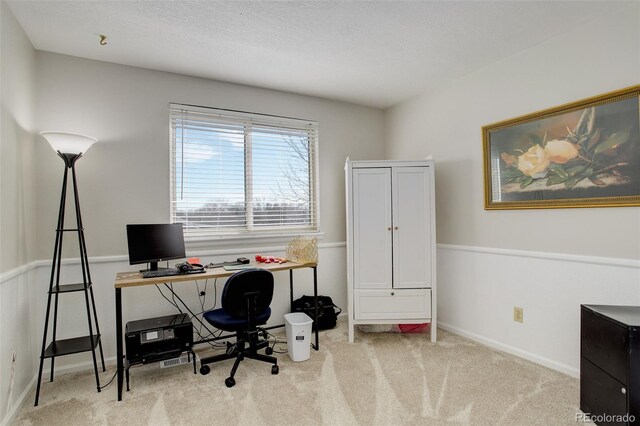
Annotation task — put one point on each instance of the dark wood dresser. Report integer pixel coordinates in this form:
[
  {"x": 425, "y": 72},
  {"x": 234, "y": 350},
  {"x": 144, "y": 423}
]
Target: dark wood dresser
[{"x": 610, "y": 364}]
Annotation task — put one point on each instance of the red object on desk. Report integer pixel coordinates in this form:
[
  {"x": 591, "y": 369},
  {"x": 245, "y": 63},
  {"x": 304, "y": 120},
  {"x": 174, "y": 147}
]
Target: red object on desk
[{"x": 270, "y": 259}]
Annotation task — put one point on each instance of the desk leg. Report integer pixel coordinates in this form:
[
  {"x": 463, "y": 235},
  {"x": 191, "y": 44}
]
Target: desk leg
[
  {"x": 119, "y": 357},
  {"x": 290, "y": 290},
  {"x": 315, "y": 302}
]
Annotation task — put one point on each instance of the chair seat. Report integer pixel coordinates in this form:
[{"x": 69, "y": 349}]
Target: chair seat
[{"x": 223, "y": 321}]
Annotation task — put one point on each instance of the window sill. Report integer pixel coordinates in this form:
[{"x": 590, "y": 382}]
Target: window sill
[{"x": 246, "y": 242}]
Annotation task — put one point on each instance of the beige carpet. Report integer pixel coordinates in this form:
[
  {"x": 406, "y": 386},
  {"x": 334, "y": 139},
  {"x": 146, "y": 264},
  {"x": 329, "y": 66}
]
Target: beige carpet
[{"x": 381, "y": 379}]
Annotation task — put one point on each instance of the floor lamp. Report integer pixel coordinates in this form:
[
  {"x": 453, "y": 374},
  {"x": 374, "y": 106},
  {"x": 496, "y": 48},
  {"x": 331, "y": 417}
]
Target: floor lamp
[{"x": 70, "y": 147}]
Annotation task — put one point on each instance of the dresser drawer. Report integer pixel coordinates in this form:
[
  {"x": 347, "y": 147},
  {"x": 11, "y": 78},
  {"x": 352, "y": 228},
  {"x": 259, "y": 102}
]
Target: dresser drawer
[
  {"x": 604, "y": 343},
  {"x": 601, "y": 394},
  {"x": 392, "y": 304}
]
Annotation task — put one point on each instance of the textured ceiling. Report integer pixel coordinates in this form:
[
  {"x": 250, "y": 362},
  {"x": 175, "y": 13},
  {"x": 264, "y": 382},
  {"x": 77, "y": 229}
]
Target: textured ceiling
[{"x": 374, "y": 53}]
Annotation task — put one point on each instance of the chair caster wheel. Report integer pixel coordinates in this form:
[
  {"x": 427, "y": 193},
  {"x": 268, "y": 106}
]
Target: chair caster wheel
[
  {"x": 230, "y": 382},
  {"x": 204, "y": 370},
  {"x": 268, "y": 351},
  {"x": 275, "y": 369}
]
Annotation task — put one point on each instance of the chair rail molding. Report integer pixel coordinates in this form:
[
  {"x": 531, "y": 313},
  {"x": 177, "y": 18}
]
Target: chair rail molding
[{"x": 561, "y": 257}]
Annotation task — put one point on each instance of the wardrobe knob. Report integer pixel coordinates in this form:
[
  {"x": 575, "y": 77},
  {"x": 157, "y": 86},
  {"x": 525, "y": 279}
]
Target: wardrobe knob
[
  {"x": 392, "y": 293},
  {"x": 396, "y": 228},
  {"x": 623, "y": 390},
  {"x": 389, "y": 229}
]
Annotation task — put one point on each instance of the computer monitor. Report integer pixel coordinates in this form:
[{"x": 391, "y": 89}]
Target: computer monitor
[{"x": 153, "y": 243}]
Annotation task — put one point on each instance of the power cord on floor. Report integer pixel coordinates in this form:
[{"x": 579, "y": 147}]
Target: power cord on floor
[
  {"x": 110, "y": 381},
  {"x": 276, "y": 341}
]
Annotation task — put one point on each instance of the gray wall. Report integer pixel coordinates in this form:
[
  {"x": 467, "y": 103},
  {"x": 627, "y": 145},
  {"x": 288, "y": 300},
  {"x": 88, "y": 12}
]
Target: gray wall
[
  {"x": 125, "y": 177},
  {"x": 589, "y": 60},
  {"x": 17, "y": 213},
  {"x": 547, "y": 261}
]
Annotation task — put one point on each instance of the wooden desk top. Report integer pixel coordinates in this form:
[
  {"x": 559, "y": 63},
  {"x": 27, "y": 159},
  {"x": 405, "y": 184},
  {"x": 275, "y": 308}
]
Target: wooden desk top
[{"x": 134, "y": 278}]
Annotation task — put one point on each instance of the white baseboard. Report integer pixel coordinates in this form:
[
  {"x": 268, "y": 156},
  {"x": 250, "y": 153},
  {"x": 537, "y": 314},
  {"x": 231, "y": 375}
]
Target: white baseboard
[
  {"x": 11, "y": 415},
  {"x": 563, "y": 368},
  {"x": 80, "y": 366}
]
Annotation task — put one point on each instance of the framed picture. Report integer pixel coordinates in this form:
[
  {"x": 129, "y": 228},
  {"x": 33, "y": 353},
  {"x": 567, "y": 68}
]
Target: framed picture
[{"x": 583, "y": 154}]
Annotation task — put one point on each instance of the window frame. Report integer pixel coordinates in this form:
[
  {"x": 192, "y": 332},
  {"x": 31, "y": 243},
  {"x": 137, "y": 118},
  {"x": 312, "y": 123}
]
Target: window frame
[{"x": 249, "y": 119}]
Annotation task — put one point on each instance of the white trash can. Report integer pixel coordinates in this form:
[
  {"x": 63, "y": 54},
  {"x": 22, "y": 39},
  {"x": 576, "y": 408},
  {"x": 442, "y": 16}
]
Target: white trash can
[{"x": 298, "y": 328}]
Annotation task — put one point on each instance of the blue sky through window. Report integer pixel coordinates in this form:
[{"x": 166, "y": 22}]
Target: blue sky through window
[{"x": 211, "y": 171}]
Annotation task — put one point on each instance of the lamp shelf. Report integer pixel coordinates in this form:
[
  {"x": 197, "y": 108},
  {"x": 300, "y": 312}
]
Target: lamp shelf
[
  {"x": 69, "y": 288},
  {"x": 72, "y": 346}
]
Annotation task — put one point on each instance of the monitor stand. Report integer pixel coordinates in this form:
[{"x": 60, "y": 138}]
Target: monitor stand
[{"x": 153, "y": 266}]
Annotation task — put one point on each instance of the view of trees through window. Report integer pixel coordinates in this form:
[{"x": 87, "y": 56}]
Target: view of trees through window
[{"x": 235, "y": 177}]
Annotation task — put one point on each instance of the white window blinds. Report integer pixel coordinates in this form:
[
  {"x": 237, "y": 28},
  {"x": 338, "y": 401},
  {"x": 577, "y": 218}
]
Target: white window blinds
[{"x": 235, "y": 173}]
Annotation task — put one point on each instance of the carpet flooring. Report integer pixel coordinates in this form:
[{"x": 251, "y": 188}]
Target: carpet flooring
[{"x": 381, "y": 379}]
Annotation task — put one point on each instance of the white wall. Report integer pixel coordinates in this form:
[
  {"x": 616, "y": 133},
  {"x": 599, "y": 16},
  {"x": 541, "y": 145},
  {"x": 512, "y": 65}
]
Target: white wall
[
  {"x": 586, "y": 61},
  {"x": 17, "y": 210},
  {"x": 478, "y": 288}
]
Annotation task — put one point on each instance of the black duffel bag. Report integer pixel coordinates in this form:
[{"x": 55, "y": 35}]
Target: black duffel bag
[{"x": 327, "y": 311}]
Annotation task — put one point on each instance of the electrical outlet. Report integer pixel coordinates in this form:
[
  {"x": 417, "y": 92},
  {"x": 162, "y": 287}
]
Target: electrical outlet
[{"x": 518, "y": 314}]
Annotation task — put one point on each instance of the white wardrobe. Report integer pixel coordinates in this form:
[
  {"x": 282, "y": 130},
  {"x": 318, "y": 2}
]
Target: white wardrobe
[{"x": 391, "y": 250}]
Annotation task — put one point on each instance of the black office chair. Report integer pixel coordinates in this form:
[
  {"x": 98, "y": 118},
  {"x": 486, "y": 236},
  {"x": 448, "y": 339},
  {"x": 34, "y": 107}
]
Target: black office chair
[{"x": 245, "y": 305}]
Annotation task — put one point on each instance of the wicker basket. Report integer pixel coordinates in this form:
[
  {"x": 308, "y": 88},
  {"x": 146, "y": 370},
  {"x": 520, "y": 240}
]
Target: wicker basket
[{"x": 303, "y": 250}]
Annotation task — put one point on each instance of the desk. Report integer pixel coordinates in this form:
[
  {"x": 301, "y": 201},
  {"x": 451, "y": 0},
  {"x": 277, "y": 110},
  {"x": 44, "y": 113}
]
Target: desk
[{"x": 134, "y": 279}]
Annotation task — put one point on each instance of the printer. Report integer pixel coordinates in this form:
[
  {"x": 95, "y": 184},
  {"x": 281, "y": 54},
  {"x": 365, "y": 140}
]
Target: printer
[{"x": 156, "y": 339}]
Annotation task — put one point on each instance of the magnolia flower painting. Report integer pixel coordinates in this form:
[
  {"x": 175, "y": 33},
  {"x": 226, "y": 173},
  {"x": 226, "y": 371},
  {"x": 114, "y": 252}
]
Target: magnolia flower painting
[{"x": 586, "y": 154}]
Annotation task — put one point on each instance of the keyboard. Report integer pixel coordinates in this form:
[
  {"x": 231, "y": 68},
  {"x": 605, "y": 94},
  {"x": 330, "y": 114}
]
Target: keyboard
[{"x": 169, "y": 272}]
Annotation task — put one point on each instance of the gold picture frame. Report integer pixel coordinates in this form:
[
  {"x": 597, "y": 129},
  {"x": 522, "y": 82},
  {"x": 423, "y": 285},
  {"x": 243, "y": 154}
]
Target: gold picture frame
[{"x": 581, "y": 154}]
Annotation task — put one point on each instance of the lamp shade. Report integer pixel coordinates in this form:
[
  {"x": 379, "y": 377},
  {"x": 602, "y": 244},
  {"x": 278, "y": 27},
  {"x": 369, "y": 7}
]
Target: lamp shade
[{"x": 68, "y": 143}]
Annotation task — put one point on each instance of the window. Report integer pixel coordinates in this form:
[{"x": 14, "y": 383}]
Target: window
[{"x": 235, "y": 173}]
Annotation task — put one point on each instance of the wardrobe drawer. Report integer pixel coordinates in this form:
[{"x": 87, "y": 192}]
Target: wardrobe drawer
[{"x": 392, "y": 304}]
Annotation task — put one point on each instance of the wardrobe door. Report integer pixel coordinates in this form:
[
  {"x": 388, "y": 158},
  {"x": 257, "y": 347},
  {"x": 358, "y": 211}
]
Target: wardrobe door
[
  {"x": 372, "y": 228},
  {"x": 411, "y": 227}
]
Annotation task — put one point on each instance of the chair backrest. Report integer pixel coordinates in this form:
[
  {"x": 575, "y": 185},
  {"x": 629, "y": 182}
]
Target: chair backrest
[{"x": 246, "y": 281}]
